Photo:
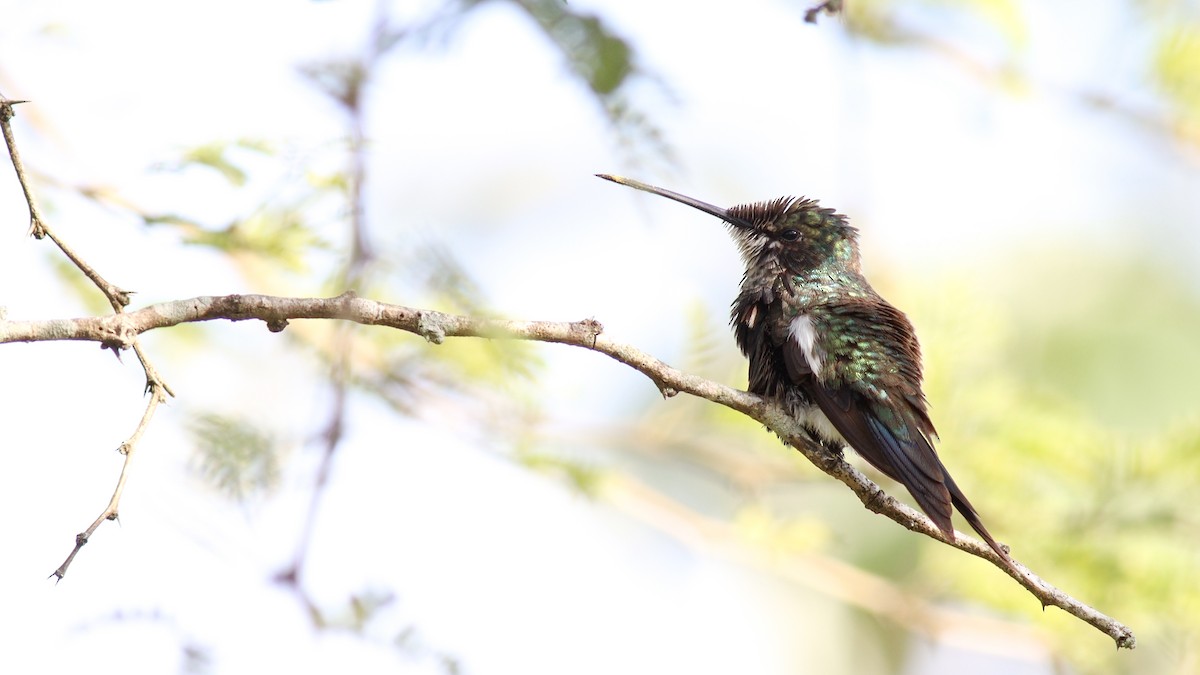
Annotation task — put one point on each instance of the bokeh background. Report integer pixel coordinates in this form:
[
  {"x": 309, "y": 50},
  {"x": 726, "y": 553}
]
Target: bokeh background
[{"x": 1025, "y": 178}]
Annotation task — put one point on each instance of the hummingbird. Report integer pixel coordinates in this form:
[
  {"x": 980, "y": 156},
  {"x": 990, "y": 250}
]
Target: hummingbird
[{"x": 822, "y": 342}]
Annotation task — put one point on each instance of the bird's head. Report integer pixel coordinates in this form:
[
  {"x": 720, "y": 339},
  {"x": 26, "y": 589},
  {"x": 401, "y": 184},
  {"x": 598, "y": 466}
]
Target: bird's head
[{"x": 789, "y": 233}]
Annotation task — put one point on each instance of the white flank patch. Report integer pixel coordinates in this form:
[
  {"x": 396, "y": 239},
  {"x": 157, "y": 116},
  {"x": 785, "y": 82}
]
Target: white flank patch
[
  {"x": 805, "y": 334},
  {"x": 812, "y": 417}
]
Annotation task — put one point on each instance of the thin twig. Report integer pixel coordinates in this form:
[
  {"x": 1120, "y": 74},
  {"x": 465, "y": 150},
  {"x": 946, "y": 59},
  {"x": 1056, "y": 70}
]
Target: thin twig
[
  {"x": 118, "y": 297},
  {"x": 6, "y": 115},
  {"x": 110, "y": 512},
  {"x": 38, "y": 228},
  {"x": 332, "y": 439},
  {"x": 122, "y": 329}
]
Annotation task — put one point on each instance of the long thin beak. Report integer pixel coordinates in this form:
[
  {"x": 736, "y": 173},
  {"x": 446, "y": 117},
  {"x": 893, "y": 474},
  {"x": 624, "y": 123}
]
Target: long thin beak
[{"x": 711, "y": 210}]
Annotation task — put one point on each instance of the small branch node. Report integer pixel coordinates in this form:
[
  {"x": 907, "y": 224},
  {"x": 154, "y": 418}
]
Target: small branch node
[
  {"x": 277, "y": 325},
  {"x": 121, "y": 297},
  {"x": 430, "y": 328},
  {"x": 115, "y": 345},
  {"x": 875, "y": 500},
  {"x": 831, "y": 8},
  {"x": 591, "y": 327},
  {"x": 6, "y": 108},
  {"x": 154, "y": 382}
]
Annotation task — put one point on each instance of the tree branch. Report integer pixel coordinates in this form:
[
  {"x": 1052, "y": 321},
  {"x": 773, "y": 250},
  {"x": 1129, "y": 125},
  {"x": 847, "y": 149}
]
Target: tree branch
[{"x": 121, "y": 331}]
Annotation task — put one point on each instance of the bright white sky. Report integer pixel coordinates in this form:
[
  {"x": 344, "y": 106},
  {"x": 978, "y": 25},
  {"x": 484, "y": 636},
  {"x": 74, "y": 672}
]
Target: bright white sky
[{"x": 489, "y": 147}]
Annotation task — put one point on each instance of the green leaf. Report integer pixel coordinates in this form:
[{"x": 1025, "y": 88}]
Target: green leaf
[
  {"x": 234, "y": 456},
  {"x": 278, "y": 234},
  {"x": 215, "y": 156}
]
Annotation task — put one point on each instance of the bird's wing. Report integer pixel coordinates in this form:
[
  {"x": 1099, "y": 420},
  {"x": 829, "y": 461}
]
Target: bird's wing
[
  {"x": 891, "y": 441},
  {"x": 751, "y": 325},
  {"x": 878, "y": 407},
  {"x": 869, "y": 389}
]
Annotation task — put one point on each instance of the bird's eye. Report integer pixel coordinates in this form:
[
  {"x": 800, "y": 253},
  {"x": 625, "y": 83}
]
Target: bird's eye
[{"x": 790, "y": 234}]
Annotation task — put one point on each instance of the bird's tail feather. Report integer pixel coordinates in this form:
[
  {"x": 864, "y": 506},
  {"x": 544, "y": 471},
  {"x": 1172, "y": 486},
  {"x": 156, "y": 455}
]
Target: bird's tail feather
[{"x": 972, "y": 517}]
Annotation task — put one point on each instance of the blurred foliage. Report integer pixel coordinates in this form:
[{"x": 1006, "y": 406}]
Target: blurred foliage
[
  {"x": 285, "y": 234},
  {"x": 279, "y": 232},
  {"x": 1176, "y": 71},
  {"x": 215, "y": 155},
  {"x": 1120, "y": 333},
  {"x": 1094, "y": 497},
  {"x": 584, "y": 478},
  {"x": 765, "y": 529},
  {"x": 1065, "y": 409},
  {"x": 277, "y": 235},
  {"x": 1171, "y": 64},
  {"x": 234, "y": 456},
  {"x": 598, "y": 57},
  {"x": 606, "y": 64},
  {"x": 370, "y": 615},
  {"x": 886, "y": 21}
]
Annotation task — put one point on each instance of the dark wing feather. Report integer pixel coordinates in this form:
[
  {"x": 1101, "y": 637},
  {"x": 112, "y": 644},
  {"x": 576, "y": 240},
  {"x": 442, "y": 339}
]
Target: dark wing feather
[{"x": 893, "y": 446}]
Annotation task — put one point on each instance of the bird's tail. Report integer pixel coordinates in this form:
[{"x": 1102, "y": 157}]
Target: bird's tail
[{"x": 972, "y": 517}]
